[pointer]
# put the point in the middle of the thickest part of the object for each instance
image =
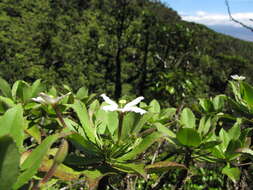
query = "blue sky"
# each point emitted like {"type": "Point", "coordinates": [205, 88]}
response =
{"type": "Point", "coordinates": [212, 12]}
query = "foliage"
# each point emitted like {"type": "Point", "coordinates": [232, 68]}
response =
{"type": "Point", "coordinates": [121, 47]}
{"type": "Point", "coordinates": [59, 141]}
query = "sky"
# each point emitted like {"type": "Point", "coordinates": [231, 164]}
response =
{"type": "Point", "coordinates": [213, 12]}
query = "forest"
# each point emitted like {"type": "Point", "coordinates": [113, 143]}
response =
{"type": "Point", "coordinates": [72, 74]}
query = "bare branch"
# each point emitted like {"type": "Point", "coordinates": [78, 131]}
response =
{"type": "Point", "coordinates": [237, 21]}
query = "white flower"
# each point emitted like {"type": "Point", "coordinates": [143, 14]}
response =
{"type": "Point", "coordinates": [47, 99]}
{"type": "Point", "coordinates": [131, 106]}
{"type": "Point", "coordinates": [237, 77]}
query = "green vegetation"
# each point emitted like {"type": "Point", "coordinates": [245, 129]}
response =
{"type": "Point", "coordinates": [192, 131]}
{"type": "Point", "coordinates": [73, 140]}
{"type": "Point", "coordinates": [119, 47]}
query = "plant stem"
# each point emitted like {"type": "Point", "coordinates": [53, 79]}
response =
{"type": "Point", "coordinates": [60, 117]}
{"type": "Point", "coordinates": [48, 175]}
{"type": "Point", "coordinates": [58, 159]}
{"type": "Point", "coordinates": [121, 117]}
{"type": "Point", "coordinates": [183, 174]}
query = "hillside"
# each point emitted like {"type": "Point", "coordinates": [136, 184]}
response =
{"type": "Point", "coordinates": [122, 47]}
{"type": "Point", "coordinates": [235, 31]}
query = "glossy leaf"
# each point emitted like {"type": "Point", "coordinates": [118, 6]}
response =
{"type": "Point", "coordinates": [218, 102]}
{"type": "Point", "coordinates": [142, 146]}
{"type": "Point", "coordinates": [188, 137]}
{"type": "Point", "coordinates": [12, 123]}
{"type": "Point", "coordinates": [84, 145]}
{"type": "Point", "coordinates": [232, 173]}
{"type": "Point", "coordinates": [209, 144]}
{"type": "Point", "coordinates": [235, 131]}
{"type": "Point", "coordinates": [231, 151]}
{"type": "Point", "coordinates": [245, 151]}
{"type": "Point", "coordinates": [82, 93]}
{"type": "Point", "coordinates": [36, 88]}
{"type": "Point", "coordinates": [154, 106]}
{"type": "Point", "coordinates": [187, 118]}
{"type": "Point", "coordinates": [30, 166]}
{"type": "Point", "coordinates": [165, 130]}
{"type": "Point", "coordinates": [9, 162]}
{"type": "Point", "coordinates": [206, 104]}
{"type": "Point", "coordinates": [83, 116]}
{"type": "Point", "coordinates": [131, 168]}
{"type": "Point", "coordinates": [5, 88]}
{"type": "Point", "coordinates": [204, 125]}
{"type": "Point", "coordinates": [141, 122]}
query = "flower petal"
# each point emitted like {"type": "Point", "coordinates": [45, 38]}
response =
{"type": "Point", "coordinates": [39, 99]}
{"type": "Point", "coordinates": [134, 102]}
{"type": "Point", "coordinates": [48, 99]}
{"type": "Point", "coordinates": [134, 109]}
{"type": "Point", "coordinates": [110, 108]}
{"type": "Point", "coordinates": [237, 77]}
{"type": "Point", "coordinates": [109, 101]}
{"type": "Point", "coordinates": [63, 96]}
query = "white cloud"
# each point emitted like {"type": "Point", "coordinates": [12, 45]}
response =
{"type": "Point", "coordinates": [219, 19]}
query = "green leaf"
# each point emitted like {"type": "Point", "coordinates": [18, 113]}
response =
{"type": "Point", "coordinates": [218, 102]}
{"type": "Point", "coordinates": [130, 168]}
{"type": "Point", "coordinates": [247, 93]}
{"type": "Point", "coordinates": [82, 93]}
{"type": "Point", "coordinates": [231, 151]}
{"type": "Point", "coordinates": [154, 107]}
{"type": "Point", "coordinates": [7, 101]}
{"type": "Point", "coordinates": [62, 171]}
{"type": "Point", "coordinates": [142, 146]}
{"type": "Point", "coordinates": [235, 131]}
{"type": "Point", "coordinates": [18, 89]}
{"type": "Point", "coordinates": [206, 104]}
{"type": "Point", "coordinates": [161, 128]}
{"type": "Point", "coordinates": [168, 113]}
{"type": "Point", "coordinates": [12, 123]}
{"type": "Point", "coordinates": [225, 138]}
{"type": "Point", "coordinates": [83, 116]}
{"type": "Point", "coordinates": [34, 131]}
{"type": "Point", "coordinates": [245, 151]}
{"type": "Point", "coordinates": [129, 122]}
{"type": "Point", "coordinates": [94, 176]}
{"type": "Point", "coordinates": [112, 121]}
{"type": "Point", "coordinates": [141, 122]}
{"type": "Point", "coordinates": [187, 118]}
{"type": "Point", "coordinates": [188, 137]}
{"type": "Point", "coordinates": [32, 163]}
{"type": "Point", "coordinates": [5, 88]}
{"type": "Point", "coordinates": [163, 166]}
{"type": "Point", "coordinates": [204, 125]}
{"type": "Point", "coordinates": [36, 88]}
{"type": "Point", "coordinates": [84, 145]}
{"type": "Point", "coordinates": [210, 144]}
{"type": "Point", "coordinates": [9, 162]}
{"type": "Point", "coordinates": [232, 173]}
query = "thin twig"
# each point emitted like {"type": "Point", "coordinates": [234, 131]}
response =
{"type": "Point", "coordinates": [237, 21]}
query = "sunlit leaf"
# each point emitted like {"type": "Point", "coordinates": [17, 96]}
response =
{"type": "Point", "coordinates": [188, 137]}
{"type": "Point", "coordinates": [5, 88]}
{"type": "Point", "coordinates": [9, 162]}
{"type": "Point", "coordinates": [140, 148]}
{"type": "Point", "coordinates": [187, 118]}
{"type": "Point", "coordinates": [30, 166]}
{"type": "Point", "coordinates": [232, 173]}
{"type": "Point", "coordinates": [12, 123]}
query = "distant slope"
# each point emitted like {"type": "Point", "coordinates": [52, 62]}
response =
{"type": "Point", "coordinates": [237, 32]}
